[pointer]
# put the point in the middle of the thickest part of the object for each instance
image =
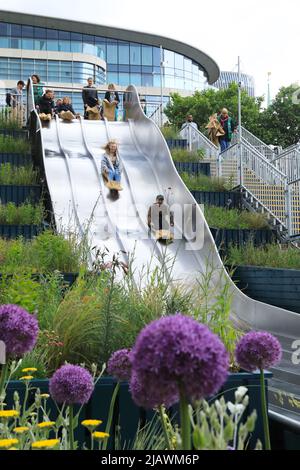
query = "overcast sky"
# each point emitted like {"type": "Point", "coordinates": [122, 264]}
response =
{"type": "Point", "coordinates": [265, 33]}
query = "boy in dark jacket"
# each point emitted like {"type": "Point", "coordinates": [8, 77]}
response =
{"type": "Point", "coordinates": [46, 103]}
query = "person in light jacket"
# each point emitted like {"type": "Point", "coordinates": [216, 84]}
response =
{"type": "Point", "coordinates": [111, 165]}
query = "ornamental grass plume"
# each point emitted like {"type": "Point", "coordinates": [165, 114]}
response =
{"type": "Point", "coordinates": [119, 365]}
{"type": "Point", "coordinates": [176, 359]}
{"type": "Point", "coordinates": [71, 385]}
{"type": "Point", "coordinates": [259, 350]}
{"type": "Point", "coordinates": [18, 330]}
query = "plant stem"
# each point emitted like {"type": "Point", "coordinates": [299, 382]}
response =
{"type": "Point", "coordinates": [264, 410]}
{"type": "Point", "coordinates": [71, 429]}
{"type": "Point", "coordinates": [185, 422]}
{"type": "Point", "coordinates": [3, 377]}
{"type": "Point", "coordinates": [110, 414]}
{"type": "Point", "coordinates": [165, 431]}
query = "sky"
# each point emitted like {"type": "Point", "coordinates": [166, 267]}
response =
{"type": "Point", "coordinates": [264, 33]}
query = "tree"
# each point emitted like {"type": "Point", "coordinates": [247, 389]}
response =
{"type": "Point", "coordinates": [280, 123]}
{"type": "Point", "coordinates": [205, 103]}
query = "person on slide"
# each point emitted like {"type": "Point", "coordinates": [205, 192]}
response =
{"type": "Point", "coordinates": [161, 219]}
{"type": "Point", "coordinates": [111, 166]}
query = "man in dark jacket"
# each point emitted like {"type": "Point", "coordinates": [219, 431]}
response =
{"type": "Point", "coordinates": [89, 96]}
{"type": "Point", "coordinates": [46, 103]}
{"type": "Point", "coordinates": [228, 126]}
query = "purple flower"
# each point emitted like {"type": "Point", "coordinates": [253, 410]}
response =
{"type": "Point", "coordinates": [176, 353]}
{"type": "Point", "coordinates": [18, 330]}
{"type": "Point", "coordinates": [71, 385]}
{"type": "Point", "coordinates": [258, 350]}
{"type": "Point", "coordinates": [119, 365]}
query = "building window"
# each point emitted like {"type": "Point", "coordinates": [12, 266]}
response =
{"type": "Point", "coordinates": [146, 55]}
{"type": "Point", "coordinates": [135, 54]}
{"type": "Point", "coordinates": [112, 54]}
{"type": "Point", "coordinates": [123, 53]}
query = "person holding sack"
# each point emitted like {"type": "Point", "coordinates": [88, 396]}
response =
{"type": "Point", "coordinates": [215, 130]}
{"type": "Point", "coordinates": [110, 103]}
{"type": "Point", "coordinates": [111, 166]}
{"type": "Point", "coordinates": [65, 110]}
{"type": "Point", "coordinates": [91, 101]}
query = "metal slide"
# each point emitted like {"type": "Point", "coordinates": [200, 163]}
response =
{"type": "Point", "coordinates": [71, 156]}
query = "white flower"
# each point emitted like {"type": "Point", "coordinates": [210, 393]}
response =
{"type": "Point", "coordinates": [235, 409]}
{"type": "Point", "coordinates": [240, 393]}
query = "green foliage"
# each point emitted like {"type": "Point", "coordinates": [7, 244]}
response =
{"type": "Point", "coordinates": [205, 183]}
{"type": "Point", "coordinates": [44, 254]}
{"type": "Point", "coordinates": [25, 214]}
{"type": "Point", "coordinates": [220, 217]}
{"type": "Point", "coordinates": [170, 132]}
{"type": "Point", "coordinates": [207, 102]}
{"type": "Point", "coordinates": [280, 123]}
{"type": "Point", "coordinates": [7, 121]}
{"type": "Point", "coordinates": [182, 155]}
{"type": "Point", "coordinates": [18, 175]}
{"type": "Point", "coordinates": [272, 255]}
{"type": "Point", "coordinates": [10, 144]}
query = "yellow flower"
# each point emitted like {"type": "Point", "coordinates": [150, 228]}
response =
{"type": "Point", "coordinates": [9, 414]}
{"type": "Point", "coordinates": [45, 395]}
{"type": "Point", "coordinates": [29, 369]}
{"type": "Point", "coordinates": [21, 429]}
{"type": "Point", "coordinates": [100, 435]}
{"type": "Point", "coordinates": [26, 377]}
{"type": "Point", "coordinates": [91, 424]}
{"type": "Point", "coordinates": [45, 444]}
{"type": "Point", "coordinates": [7, 443]}
{"type": "Point", "coordinates": [46, 424]}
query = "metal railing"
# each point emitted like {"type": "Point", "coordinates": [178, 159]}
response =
{"type": "Point", "coordinates": [197, 140]}
{"type": "Point", "coordinates": [289, 162]}
{"type": "Point", "coordinates": [255, 142]}
{"type": "Point", "coordinates": [14, 114]}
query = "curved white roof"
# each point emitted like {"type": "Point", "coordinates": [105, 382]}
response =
{"type": "Point", "coordinates": [210, 67]}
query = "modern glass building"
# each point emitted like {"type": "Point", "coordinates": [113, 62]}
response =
{"type": "Point", "coordinates": [226, 78]}
{"type": "Point", "coordinates": [68, 52]}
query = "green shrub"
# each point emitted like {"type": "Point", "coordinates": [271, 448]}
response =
{"type": "Point", "coordinates": [220, 217]}
{"type": "Point", "coordinates": [205, 183]}
{"type": "Point", "coordinates": [7, 121]}
{"type": "Point", "coordinates": [10, 144]}
{"type": "Point", "coordinates": [170, 132]}
{"type": "Point", "coordinates": [18, 175]}
{"type": "Point", "coordinates": [272, 255]}
{"type": "Point", "coordinates": [183, 155]}
{"type": "Point", "coordinates": [25, 214]}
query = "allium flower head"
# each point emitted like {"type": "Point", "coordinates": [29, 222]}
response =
{"type": "Point", "coordinates": [18, 330]}
{"type": "Point", "coordinates": [258, 350]}
{"type": "Point", "coordinates": [71, 385]}
{"type": "Point", "coordinates": [176, 353]}
{"type": "Point", "coordinates": [119, 365]}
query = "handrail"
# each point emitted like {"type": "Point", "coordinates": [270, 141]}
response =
{"type": "Point", "coordinates": [288, 151]}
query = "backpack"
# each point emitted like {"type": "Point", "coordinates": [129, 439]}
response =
{"type": "Point", "coordinates": [8, 99]}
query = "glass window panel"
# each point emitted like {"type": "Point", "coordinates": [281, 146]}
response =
{"type": "Point", "coordinates": [146, 55]}
{"type": "Point", "coordinates": [156, 70]}
{"type": "Point", "coordinates": [156, 56]}
{"type": "Point", "coordinates": [113, 68]}
{"type": "Point", "coordinates": [169, 71]}
{"type": "Point", "coordinates": [64, 35]}
{"type": "Point", "coordinates": [64, 46]}
{"type": "Point", "coordinates": [40, 33]}
{"type": "Point", "coordinates": [4, 42]}
{"type": "Point", "coordinates": [52, 45]}
{"type": "Point", "coordinates": [16, 30]}
{"type": "Point", "coordinates": [156, 80]}
{"type": "Point", "coordinates": [188, 75]}
{"type": "Point", "coordinates": [112, 54]}
{"type": "Point", "coordinates": [101, 51]}
{"type": "Point", "coordinates": [112, 77]}
{"type": "Point", "coordinates": [123, 68]}
{"type": "Point", "coordinates": [195, 69]}
{"type": "Point", "coordinates": [147, 80]}
{"type": "Point", "coordinates": [179, 62]}
{"type": "Point", "coordinates": [76, 46]}
{"type": "Point", "coordinates": [40, 45]}
{"type": "Point", "coordinates": [169, 81]}
{"type": "Point", "coordinates": [52, 34]}
{"type": "Point", "coordinates": [89, 48]}
{"type": "Point", "coordinates": [15, 43]}
{"type": "Point", "coordinates": [179, 83]}
{"type": "Point", "coordinates": [187, 65]}
{"type": "Point", "coordinates": [136, 79]}
{"type": "Point", "coordinates": [27, 31]}
{"type": "Point", "coordinates": [123, 53]}
{"type": "Point", "coordinates": [27, 43]}
{"type": "Point", "coordinates": [76, 37]}
{"type": "Point", "coordinates": [135, 68]}
{"type": "Point", "coordinates": [123, 79]}
{"type": "Point", "coordinates": [135, 54]}
{"type": "Point", "coordinates": [147, 69]}
{"type": "Point", "coordinates": [88, 38]}
{"type": "Point", "coordinates": [4, 29]}
{"type": "Point", "coordinates": [179, 73]}
{"type": "Point", "coordinates": [169, 58]}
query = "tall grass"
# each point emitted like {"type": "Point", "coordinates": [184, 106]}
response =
{"type": "Point", "coordinates": [25, 214]}
{"type": "Point", "coordinates": [170, 132]}
{"type": "Point", "coordinates": [272, 255]}
{"type": "Point", "coordinates": [44, 254]}
{"type": "Point", "coordinates": [205, 183]}
{"type": "Point", "coordinates": [7, 121]}
{"type": "Point", "coordinates": [10, 144]}
{"type": "Point", "coordinates": [222, 218]}
{"type": "Point", "coordinates": [18, 175]}
{"type": "Point", "coordinates": [183, 155]}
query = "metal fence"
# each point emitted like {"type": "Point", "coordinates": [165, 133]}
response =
{"type": "Point", "coordinates": [13, 110]}
{"type": "Point", "coordinates": [197, 140]}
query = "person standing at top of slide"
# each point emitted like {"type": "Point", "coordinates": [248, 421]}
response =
{"type": "Point", "coordinates": [89, 96]}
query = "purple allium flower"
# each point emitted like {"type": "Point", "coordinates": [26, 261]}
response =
{"type": "Point", "coordinates": [119, 365]}
{"type": "Point", "coordinates": [71, 385]}
{"type": "Point", "coordinates": [173, 353]}
{"type": "Point", "coordinates": [258, 350]}
{"type": "Point", "coordinates": [18, 330]}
